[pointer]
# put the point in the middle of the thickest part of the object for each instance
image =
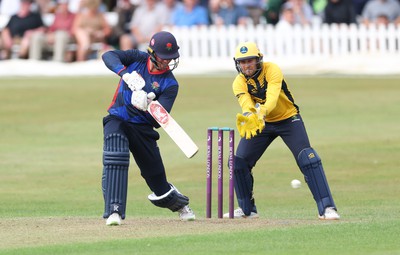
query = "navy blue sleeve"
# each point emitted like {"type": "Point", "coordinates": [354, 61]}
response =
{"type": "Point", "coordinates": [118, 60]}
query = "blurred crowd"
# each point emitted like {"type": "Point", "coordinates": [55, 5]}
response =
{"type": "Point", "coordinates": [83, 23]}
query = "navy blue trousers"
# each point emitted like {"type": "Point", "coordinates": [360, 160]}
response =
{"type": "Point", "coordinates": [143, 146]}
{"type": "Point", "coordinates": [249, 151]}
{"type": "Point", "coordinates": [292, 131]}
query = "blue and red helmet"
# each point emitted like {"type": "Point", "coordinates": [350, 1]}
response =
{"type": "Point", "coordinates": [164, 45]}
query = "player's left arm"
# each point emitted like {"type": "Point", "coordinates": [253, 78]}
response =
{"type": "Point", "coordinates": [274, 77]}
{"type": "Point", "coordinates": [247, 123]}
{"type": "Point", "coordinates": [118, 60]}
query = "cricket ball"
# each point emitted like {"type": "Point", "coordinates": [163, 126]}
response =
{"type": "Point", "coordinates": [295, 184]}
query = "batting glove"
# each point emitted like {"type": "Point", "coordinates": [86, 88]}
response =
{"type": "Point", "coordinates": [134, 81]}
{"type": "Point", "coordinates": [141, 100]}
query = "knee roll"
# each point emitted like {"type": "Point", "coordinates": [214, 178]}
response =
{"type": "Point", "coordinates": [116, 150]}
{"type": "Point", "coordinates": [308, 159]}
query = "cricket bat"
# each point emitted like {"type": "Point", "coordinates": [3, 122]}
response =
{"type": "Point", "coordinates": [172, 128]}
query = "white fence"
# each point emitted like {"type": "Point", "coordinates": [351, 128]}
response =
{"type": "Point", "coordinates": [319, 49]}
{"type": "Point", "coordinates": [306, 42]}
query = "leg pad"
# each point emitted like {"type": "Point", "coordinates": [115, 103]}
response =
{"type": "Point", "coordinates": [314, 175]}
{"type": "Point", "coordinates": [243, 180]}
{"type": "Point", "coordinates": [115, 174]}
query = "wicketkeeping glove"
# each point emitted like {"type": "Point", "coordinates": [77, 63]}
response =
{"type": "Point", "coordinates": [140, 99]}
{"type": "Point", "coordinates": [248, 126]}
{"type": "Point", "coordinates": [134, 81]}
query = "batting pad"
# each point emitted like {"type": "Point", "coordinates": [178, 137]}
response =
{"type": "Point", "coordinates": [115, 174]}
{"type": "Point", "coordinates": [314, 175]}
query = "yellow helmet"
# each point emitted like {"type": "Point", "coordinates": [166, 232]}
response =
{"type": "Point", "coordinates": [247, 50]}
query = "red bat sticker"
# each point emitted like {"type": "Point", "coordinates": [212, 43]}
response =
{"type": "Point", "coordinates": [159, 113]}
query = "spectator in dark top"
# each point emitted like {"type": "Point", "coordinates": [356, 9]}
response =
{"type": "Point", "coordinates": [271, 13]}
{"type": "Point", "coordinates": [19, 30]}
{"type": "Point", "coordinates": [359, 6]}
{"type": "Point", "coordinates": [125, 10]}
{"type": "Point", "coordinates": [339, 11]}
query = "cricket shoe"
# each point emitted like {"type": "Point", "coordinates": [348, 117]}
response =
{"type": "Point", "coordinates": [114, 220]}
{"type": "Point", "coordinates": [186, 214]}
{"type": "Point", "coordinates": [329, 214]}
{"type": "Point", "coordinates": [238, 213]}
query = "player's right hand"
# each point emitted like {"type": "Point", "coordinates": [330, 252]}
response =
{"type": "Point", "coordinates": [249, 125]}
{"type": "Point", "coordinates": [141, 100]}
{"type": "Point", "coordinates": [134, 81]}
{"type": "Point", "coordinates": [261, 111]}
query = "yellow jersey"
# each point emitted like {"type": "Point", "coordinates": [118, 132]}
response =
{"type": "Point", "coordinates": [269, 88]}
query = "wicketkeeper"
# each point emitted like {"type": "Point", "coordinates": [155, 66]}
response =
{"type": "Point", "coordinates": [129, 128]}
{"type": "Point", "coordinates": [269, 112]}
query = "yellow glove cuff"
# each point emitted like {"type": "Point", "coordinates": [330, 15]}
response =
{"type": "Point", "coordinates": [249, 126]}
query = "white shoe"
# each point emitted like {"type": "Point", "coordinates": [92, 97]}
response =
{"type": "Point", "coordinates": [329, 214]}
{"type": "Point", "coordinates": [113, 220]}
{"type": "Point", "coordinates": [186, 214]}
{"type": "Point", "coordinates": [238, 213]}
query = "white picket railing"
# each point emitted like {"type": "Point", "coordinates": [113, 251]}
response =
{"type": "Point", "coordinates": [306, 42]}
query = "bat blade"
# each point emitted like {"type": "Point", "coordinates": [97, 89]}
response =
{"type": "Point", "coordinates": [173, 129]}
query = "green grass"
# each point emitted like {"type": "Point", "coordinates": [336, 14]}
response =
{"type": "Point", "coordinates": [50, 172]}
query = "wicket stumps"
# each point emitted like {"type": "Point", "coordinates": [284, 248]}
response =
{"type": "Point", "coordinates": [220, 132]}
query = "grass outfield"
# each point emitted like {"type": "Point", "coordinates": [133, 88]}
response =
{"type": "Point", "coordinates": [50, 172]}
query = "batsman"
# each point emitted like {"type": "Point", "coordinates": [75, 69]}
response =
{"type": "Point", "coordinates": [129, 128]}
{"type": "Point", "coordinates": [268, 112]}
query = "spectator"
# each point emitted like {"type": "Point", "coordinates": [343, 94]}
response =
{"type": "Point", "coordinates": [375, 8]}
{"type": "Point", "coordinates": [318, 6]}
{"type": "Point", "coordinates": [45, 6]}
{"type": "Point", "coordinates": [339, 11]}
{"type": "Point", "coordinates": [9, 7]}
{"type": "Point", "coordinates": [303, 13]}
{"type": "Point", "coordinates": [190, 14]}
{"type": "Point", "coordinates": [75, 6]}
{"type": "Point", "coordinates": [255, 8]}
{"type": "Point", "coordinates": [170, 6]}
{"type": "Point", "coordinates": [382, 20]}
{"type": "Point", "coordinates": [359, 6]}
{"type": "Point", "coordinates": [287, 20]}
{"type": "Point", "coordinates": [124, 10]}
{"type": "Point", "coordinates": [19, 30]}
{"type": "Point", "coordinates": [148, 19]}
{"type": "Point", "coordinates": [213, 9]}
{"type": "Point", "coordinates": [230, 14]}
{"type": "Point", "coordinates": [89, 26]}
{"type": "Point", "coordinates": [271, 13]}
{"type": "Point", "coordinates": [57, 36]}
